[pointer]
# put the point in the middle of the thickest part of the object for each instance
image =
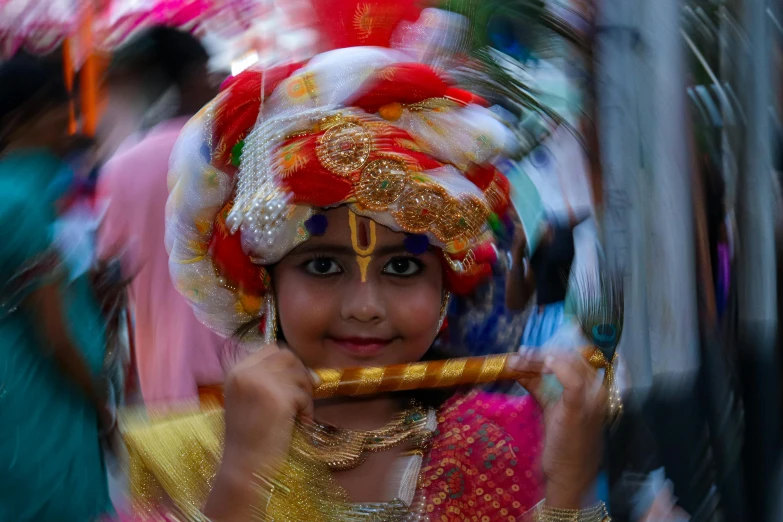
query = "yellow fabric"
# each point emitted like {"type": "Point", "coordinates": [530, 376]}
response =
{"type": "Point", "coordinates": [174, 460]}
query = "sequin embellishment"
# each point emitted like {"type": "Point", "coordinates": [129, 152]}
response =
{"type": "Point", "coordinates": [344, 148]}
{"type": "Point", "coordinates": [419, 206]}
{"type": "Point", "coordinates": [463, 218]}
{"type": "Point", "coordinates": [381, 184]}
{"type": "Point", "coordinates": [484, 462]}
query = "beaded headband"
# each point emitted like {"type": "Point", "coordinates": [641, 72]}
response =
{"type": "Point", "coordinates": [362, 127]}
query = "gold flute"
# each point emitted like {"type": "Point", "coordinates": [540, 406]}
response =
{"type": "Point", "coordinates": [351, 382]}
{"type": "Point", "coordinates": [449, 373]}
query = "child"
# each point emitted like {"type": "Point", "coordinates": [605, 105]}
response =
{"type": "Point", "coordinates": [324, 225]}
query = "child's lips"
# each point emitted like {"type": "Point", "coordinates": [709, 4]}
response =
{"type": "Point", "coordinates": [361, 346]}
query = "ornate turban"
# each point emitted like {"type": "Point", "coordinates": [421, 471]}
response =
{"type": "Point", "coordinates": [367, 127]}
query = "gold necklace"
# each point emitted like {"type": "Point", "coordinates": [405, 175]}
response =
{"type": "Point", "coordinates": [305, 489]}
{"type": "Point", "coordinates": [343, 449]}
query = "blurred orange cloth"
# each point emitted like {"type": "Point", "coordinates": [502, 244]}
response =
{"type": "Point", "coordinates": [210, 394]}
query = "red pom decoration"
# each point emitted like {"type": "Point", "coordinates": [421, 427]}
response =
{"type": "Point", "coordinates": [231, 261]}
{"type": "Point", "coordinates": [481, 176]}
{"type": "Point", "coordinates": [485, 253]}
{"type": "Point", "coordinates": [494, 184]}
{"type": "Point", "coordinates": [463, 283]}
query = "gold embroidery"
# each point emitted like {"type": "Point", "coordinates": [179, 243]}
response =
{"type": "Point", "coordinates": [178, 456]}
{"type": "Point", "coordinates": [466, 265]}
{"type": "Point", "coordinates": [330, 121]}
{"type": "Point", "coordinates": [387, 73]}
{"type": "Point", "coordinates": [204, 224]}
{"type": "Point", "coordinates": [191, 260]}
{"type": "Point", "coordinates": [197, 246]}
{"type": "Point", "coordinates": [210, 178]}
{"type": "Point", "coordinates": [368, 17]}
{"type": "Point", "coordinates": [291, 158]}
{"type": "Point", "coordinates": [408, 144]}
{"type": "Point", "coordinates": [381, 184]}
{"type": "Point", "coordinates": [419, 206]}
{"type": "Point", "coordinates": [302, 85]}
{"type": "Point", "coordinates": [461, 219]}
{"type": "Point", "coordinates": [433, 105]}
{"type": "Point", "coordinates": [363, 21]}
{"type": "Point", "coordinates": [250, 304]}
{"type": "Point", "coordinates": [495, 196]}
{"type": "Point", "coordinates": [344, 148]}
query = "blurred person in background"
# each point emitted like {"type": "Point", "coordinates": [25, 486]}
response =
{"type": "Point", "coordinates": [141, 94]}
{"type": "Point", "coordinates": [544, 275]}
{"type": "Point", "coordinates": [174, 352]}
{"type": "Point", "coordinates": [52, 338]}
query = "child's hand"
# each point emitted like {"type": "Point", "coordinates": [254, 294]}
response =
{"type": "Point", "coordinates": [574, 426]}
{"type": "Point", "coordinates": [264, 394]}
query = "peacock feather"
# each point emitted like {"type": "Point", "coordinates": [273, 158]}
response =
{"type": "Point", "coordinates": [599, 302]}
{"type": "Point", "coordinates": [599, 305]}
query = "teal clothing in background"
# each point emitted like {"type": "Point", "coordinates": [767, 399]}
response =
{"type": "Point", "coordinates": [51, 463]}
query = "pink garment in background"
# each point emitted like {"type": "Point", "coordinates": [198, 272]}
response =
{"type": "Point", "coordinates": [175, 353]}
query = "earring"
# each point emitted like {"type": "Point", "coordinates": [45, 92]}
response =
{"type": "Point", "coordinates": [444, 309]}
{"type": "Point", "coordinates": [270, 319]}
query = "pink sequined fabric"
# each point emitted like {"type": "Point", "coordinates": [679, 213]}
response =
{"type": "Point", "coordinates": [485, 460]}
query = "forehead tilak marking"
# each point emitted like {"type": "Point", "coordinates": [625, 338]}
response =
{"type": "Point", "coordinates": [363, 241]}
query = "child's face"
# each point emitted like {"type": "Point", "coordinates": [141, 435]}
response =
{"type": "Point", "coordinates": [331, 318]}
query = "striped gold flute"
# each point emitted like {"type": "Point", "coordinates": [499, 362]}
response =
{"type": "Point", "coordinates": [448, 373]}
{"type": "Point", "coordinates": [352, 382]}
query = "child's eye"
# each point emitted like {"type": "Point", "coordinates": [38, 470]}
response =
{"type": "Point", "coordinates": [403, 266]}
{"type": "Point", "coordinates": [323, 266]}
